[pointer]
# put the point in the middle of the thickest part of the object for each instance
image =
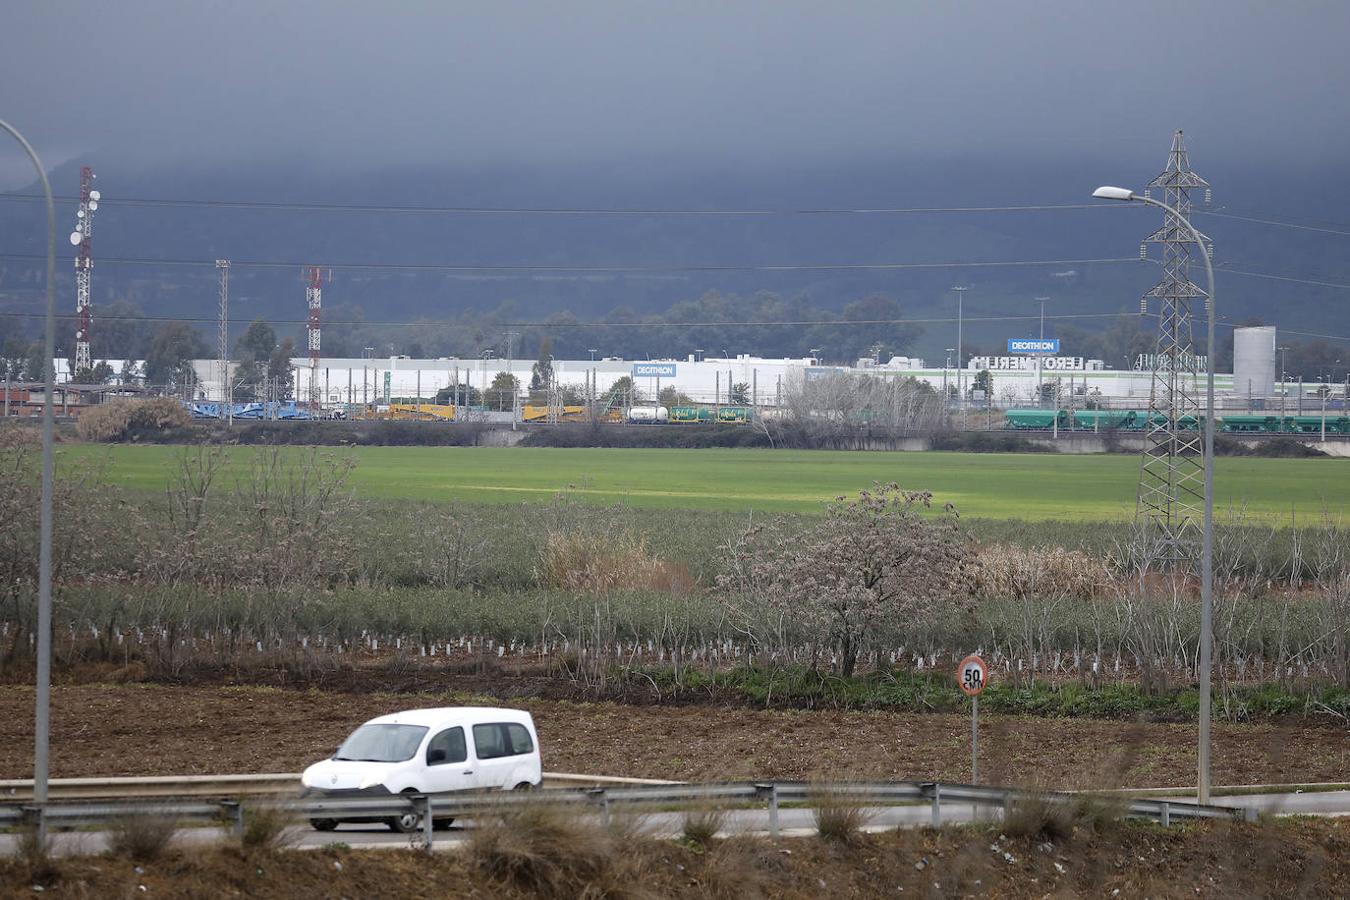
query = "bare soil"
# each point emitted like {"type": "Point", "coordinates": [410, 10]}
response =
{"type": "Point", "coordinates": [1289, 859]}
{"type": "Point", "coordinates": [149, 729]}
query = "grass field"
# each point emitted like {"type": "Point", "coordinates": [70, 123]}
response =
{"type": "Point", "coordinates": [995, 486]}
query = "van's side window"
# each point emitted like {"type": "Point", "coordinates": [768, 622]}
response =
{"type": "Point", "coordinates": [495, 740]}
{"type": "Point", "coordinates": [519, 736]}
{"type": "Point", "coordinates": [447, 747]}
{"type": "Point", "coordinates": [488, 741]}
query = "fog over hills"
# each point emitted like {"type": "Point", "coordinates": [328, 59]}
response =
{"type": "Point", "coordinates": [666, 244]}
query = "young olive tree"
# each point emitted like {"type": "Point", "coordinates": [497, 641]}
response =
{"type": "Point", "coordinates": [869, 565]}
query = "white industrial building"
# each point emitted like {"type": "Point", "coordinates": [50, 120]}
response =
{"type": "Point", "coordinates": [343, 381]}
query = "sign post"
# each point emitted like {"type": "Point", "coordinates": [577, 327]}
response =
{"type": "Point", "coordinates": [971, 676]}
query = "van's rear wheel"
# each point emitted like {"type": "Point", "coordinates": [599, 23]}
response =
{"type": "Point", "coordinates": [324, 824]}
{"type": "Point", "coordinates": [524, 786]}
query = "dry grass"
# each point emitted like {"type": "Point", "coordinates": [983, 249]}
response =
{"type": "Point", "coordinates": [595, 563]}
{"type": "Point", "coordinates": [18, 436]}
{"type": "Point", "coordinates": [838, 817]}
{"type": "Point", "coordinates": [144, 836]}
{"type": "Point", "coordinates": [266, 829]}
{"type": "Point", "coordinates": [541, 849]}
{"type": "Point", "coordinates": [1043, 816]}
{"type": "Point", "coordinates": [114, 420]}
{"type": "Point", "coordinates": [1294, 857]}
{"type": "Point", "coordinates": [33, 855]}
{"type": "Point", "coordinates": [1007, 571]}
{"type": "Point", "coordinates": [740, 869]}
{"type": "Point", "coordinates": [701, 826]}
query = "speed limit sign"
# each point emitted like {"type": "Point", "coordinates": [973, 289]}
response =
{"type": "Point", "coordinates": [972, 675]}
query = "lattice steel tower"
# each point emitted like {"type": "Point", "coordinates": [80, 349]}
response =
{"type": "Point", "coordinates": [81, 237]}
{"type": "Point", "coordinates": [1171, 475]}
{"type": "Point", "coordinates": [223, 338]}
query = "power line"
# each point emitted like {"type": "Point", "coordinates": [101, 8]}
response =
{"type": "Point", "coordinates": [1289, 278]}
{"type": "Point", "coordinates": [612, 270]}
{"type": "Point", "coordinates": [1276, 222]}
{"type": "Point", "coordinates": [551, 325]}
{"type": "Point", "coordinates": [937, 320]}
{"type": "Point", "coordinates": [562, 210]}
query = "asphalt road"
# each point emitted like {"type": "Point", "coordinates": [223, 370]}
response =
{"type": "Point", "coordinates": [792, 822]}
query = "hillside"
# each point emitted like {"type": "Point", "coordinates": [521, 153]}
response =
{"type": "Point", "coordinates": [477, 301]}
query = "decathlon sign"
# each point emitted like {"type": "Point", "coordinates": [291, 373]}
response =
{"type": "Point", "coordinates": [1034, 346]}
{"type": "Point", "coordinates": [653, 370]}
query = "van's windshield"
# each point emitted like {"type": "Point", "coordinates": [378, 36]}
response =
{"type": "Point", "coordinates": [381, 743]}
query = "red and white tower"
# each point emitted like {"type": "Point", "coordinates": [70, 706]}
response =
{"type": "Point", "coordinates": [314, 296]}
{"type": "Point", "coordinates": [84, 263]}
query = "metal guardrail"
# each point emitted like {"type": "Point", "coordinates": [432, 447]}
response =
{"type": "Point", "coordinates": [602, 800]}
{"type": "Point", "coordinates": [222, 786]}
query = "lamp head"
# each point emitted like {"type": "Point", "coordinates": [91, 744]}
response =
{"type": "Point", "coordinates": [1106, 192]}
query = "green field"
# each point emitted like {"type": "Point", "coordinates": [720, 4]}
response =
{"type": "Point", "coordinates": [995, 486]}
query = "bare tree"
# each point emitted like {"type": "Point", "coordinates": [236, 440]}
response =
{"type": "Point", "coordinates": [870, 563]}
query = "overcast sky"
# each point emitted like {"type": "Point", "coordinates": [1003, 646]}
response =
{"type": "Point", "coordinates": [696, 84]}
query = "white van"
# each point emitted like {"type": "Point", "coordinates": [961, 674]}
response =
{"type": "Point", "coordinates": [428, 751]}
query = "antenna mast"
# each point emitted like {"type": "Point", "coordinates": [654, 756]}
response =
{"type": "Point", "coordinates": [314, 296]}
{"type": "Point", "coordinates": [1171, 474]}
{"type": "Point", "coordinates": [84, 262]}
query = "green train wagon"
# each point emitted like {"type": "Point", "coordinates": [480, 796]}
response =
{"type": "Point", "coordinates": [690, 414]}
{"type": "Point", "coordinates": [1249, 424]}
{"type": "Point", "coordinates": [1103, 419]}
{"type": "Point", "coordinates": [1035, 419]}
{"type": "Point", "coordinates": [733, 415]}
{"type": "Point", "coordinates": [1313, 425]}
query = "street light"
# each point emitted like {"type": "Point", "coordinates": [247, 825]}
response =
{"type": "Point", "coordinates": [42, 717]}
{"type": "Point", "coordinates": [1284, 379]}
{"type": "Point", "coordinates": [1040, 358]}
{"type": "Point", "coordinates": [946, 392]}
{"type": "Point", "coordinates": [1207, 540]}
{"type": "Point", "coordinates": [815, 355]}
{"type": "Point", "coordinates": [960, 297]}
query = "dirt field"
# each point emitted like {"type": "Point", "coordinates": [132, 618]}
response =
{"type": "Point", "coordinates": [1291, 859]}
{"type": "Point", "coordinates": [143, 729]}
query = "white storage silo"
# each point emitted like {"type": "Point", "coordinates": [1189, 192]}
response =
{"type": "Point", "coordinates": [1254, 361]}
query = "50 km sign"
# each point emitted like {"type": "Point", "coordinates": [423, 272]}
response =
{"type": "Point", "coordinates": [972, 675]}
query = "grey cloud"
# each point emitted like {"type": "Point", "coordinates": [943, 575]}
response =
{"type": "Point", "coordinates": [358, 83]}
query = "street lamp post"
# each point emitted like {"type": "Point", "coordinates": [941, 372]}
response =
{"type": "Point", "coordinates": [960, 306]}
{"type": "Point", "coordinates": [946, 392]}
{"type": "Point", "coordinates": [42, 717]}
{"type": "Point", "coordinates": [1039, 359]}
{"type": "Point", "coordinates": [1207, 540]}
{"type": "Point", "coordinates": [1284, 381]}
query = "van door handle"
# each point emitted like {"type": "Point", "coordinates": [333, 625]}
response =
{"type": "Point", "coordinates": [467, 772]}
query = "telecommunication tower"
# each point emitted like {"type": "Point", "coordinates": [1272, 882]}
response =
{"type": "Point", "coordinates": [84, 263]}
{"type": "Point", "coordinates": [1171, 475]}
{"type": "Point", "coordinates": [314, 297]}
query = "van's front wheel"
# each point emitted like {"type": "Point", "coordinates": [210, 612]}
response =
{"type": "Point", "coordinates": [407, 823]}
{"type": "Point", "coordinates": [324, 824]}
